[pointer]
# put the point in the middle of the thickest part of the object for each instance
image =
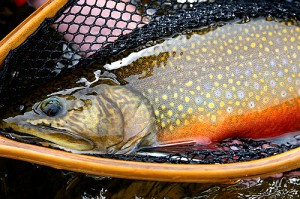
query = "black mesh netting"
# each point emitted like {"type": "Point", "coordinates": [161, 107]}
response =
{"type": "Point", "coordinates": [88, 31]}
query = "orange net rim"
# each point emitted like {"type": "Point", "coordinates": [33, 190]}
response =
{"type": "Point", "coordinates": [150, 171]}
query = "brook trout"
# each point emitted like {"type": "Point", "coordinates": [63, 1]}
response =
{"type": "Point", "coordinates": [240, 80]}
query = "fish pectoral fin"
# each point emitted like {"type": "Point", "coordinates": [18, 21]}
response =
{"type": "Point", "coordinates": [144, 138]}
{"type": "Point", "coordinates": [130, 146]}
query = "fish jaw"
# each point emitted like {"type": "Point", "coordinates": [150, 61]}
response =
{"type": "Point", "coordinates": [50, 135]}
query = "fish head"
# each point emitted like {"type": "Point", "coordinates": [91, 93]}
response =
{"type": "Point", "coordinates": [90, 120]}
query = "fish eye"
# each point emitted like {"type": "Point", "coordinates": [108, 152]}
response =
{"type": "Point", "coordinates": [51, 106]}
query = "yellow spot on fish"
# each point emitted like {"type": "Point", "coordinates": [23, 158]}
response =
{"type": "Point", "coordinates": [204, 50]}
{"type": "Point", "coordinates": [192, 92]}
{"type": "Point", "coordinates": [189, 83]}
{"type": "Point", "coordinates": [211, 105]}
{"type": "Point", "coordinates": [170, 113]}
{"type": "Point", "coordinates": [177, 122]}
{"type": "Point", "coordinates": [156, 112]}
{"type": "Point", "coordinates": [165, 97]}
{"type": "Point", "coordinates": [294, 55]}
{"type": "Point", "coordinates": [180, 107]}
{"type": "Point", "coordinates": [188, 57]}
{"type": "Point", "coordinates": [190, 110]}
{"type": "Point", "coordinates": [186, 122]}
{"type": "Point", "coordinates": [286, 70]}
{"type": "Point", "coordinates": [208, 95]}
{"type": "Point", "coordinates": [213, 118]}
{"type": "Point", "coordinates": [266, 100]}
{"type": "Point", "coordinates": [163, 125]}
{"type": "Point", "coordinates": [187, 99]}
{"type": "Point", "coordinates": [253, 45]}
{"type": "Point", "coordinates": [200, 109]}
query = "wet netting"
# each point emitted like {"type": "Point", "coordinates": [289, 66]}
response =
{"type": "Point", "coordinates": [227, 151]}
{"type": "Point", "coordinates": [86, 32]}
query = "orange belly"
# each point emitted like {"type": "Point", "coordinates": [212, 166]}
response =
{"type": "Point", "coordinates": [270, 122]}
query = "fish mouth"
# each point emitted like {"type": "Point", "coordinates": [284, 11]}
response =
{"type": "Point", "coordinates": [47, 136]}
{"type": "Point", "coordinates": [25, 138]}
